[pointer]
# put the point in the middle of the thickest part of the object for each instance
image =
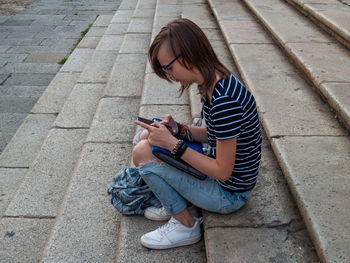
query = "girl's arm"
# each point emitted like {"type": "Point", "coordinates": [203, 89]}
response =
{"type": "Point", "coordinates": [219, 168]}
{"type": "Point", "coordinates": [199, 133]}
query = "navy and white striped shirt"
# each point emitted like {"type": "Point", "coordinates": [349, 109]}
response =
{"type": "Point", "coordinates": [232, 113]}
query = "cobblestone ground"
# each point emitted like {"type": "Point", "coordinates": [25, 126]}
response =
{"type": "Point", "coordinates": [33, 41]}
{"type": "Point", "coordinates": [12, 7]}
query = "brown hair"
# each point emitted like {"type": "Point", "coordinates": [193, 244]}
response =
{"type": "Point", "coordinates": [187, 39]}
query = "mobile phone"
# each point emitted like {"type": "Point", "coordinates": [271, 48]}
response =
{"type": "Point", "coordinates": [149, 122]}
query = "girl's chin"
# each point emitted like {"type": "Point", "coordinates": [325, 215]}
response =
{"type": "Point", "coordinates": [184, 83]}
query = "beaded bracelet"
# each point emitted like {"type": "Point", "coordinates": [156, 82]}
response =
{"type": "Point", "coordinates": [176, 147]}
{"type": "Point", "coordinates": [179, 149]}
{"type": "Point", "coordinates": [184, 132]}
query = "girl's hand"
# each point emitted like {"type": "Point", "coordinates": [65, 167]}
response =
{"type": "Point", "coordinates": [159, 135]}
{"type": "Point", "coordinates": [170, 122]}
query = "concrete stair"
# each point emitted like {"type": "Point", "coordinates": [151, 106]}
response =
{"type": "Point", "coordinates": [273, 221]}
{"type": "Point", "coordinates": [309, 49]}
{"type": "Point", "coordinates": [157, 98]}
{"type": "Point", "coordinates": [38, 165]}
{"type": "Point", "coordinates": [332, 16]}
{"type": "Point", "coordinates": [312, 148]}
{"type": "Point", "coordinates": [55, 207]}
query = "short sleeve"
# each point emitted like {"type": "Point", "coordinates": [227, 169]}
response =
{"type": "Point", "coordinates": [226, 115]}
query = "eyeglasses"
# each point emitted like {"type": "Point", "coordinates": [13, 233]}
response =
{"type": "Point", "coordinates": [171, 62]}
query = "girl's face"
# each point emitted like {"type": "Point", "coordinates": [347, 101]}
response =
{"type": "Point", "coordinates": [176, 71]}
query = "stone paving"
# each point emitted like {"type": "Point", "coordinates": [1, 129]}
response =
{"type": "Point", "coordinates": [32, 43]}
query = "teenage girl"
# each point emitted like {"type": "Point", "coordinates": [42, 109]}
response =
{"type": "Point", "coordinates": [182, 53]}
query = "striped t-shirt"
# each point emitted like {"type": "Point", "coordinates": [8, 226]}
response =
{"type": "Point", "coordinates": [232, 113]}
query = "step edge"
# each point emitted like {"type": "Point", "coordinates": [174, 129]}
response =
{"type": "Point", "coordinates": [324, 22]}
{"type": "Point", "coordinates": [308, 75]}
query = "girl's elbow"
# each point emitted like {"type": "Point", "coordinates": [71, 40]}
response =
{"type": "Point", "coordinates": [225, 176]}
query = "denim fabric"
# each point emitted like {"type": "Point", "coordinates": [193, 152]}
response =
{"type": "Point", "coordinates": [129, 194]}
{"type": "Point", "coordinates": [173, 187]}
{"type": "Point", "coordinates": [137, 138]}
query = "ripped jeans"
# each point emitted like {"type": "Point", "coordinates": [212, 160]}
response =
{"type": "Point", "coordinates": [173, 187]}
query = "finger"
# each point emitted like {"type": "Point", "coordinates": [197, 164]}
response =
{"type": "Point", "coordinates": [156, 124]}
{"type": "Point", "coordinates": [167, 118]}
{"type": "Point", "coordinates": [166, 127]}
{"type": "Point", "coordinates": [171, 122]}
{"type": "Point", "coordinates": [143, 125]}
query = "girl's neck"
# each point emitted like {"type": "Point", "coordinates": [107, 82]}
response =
{"type": "Point", "coordinates": [209, 93]}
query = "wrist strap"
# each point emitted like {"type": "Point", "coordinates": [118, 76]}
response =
{"type": "Point", "coordinates": [179, 149]}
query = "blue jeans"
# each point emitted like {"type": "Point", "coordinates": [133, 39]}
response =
{"type": "Point", "coordinates": [173, 187]}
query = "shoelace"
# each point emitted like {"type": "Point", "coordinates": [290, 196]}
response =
{"type": "Point", "coordinates": [168, 226]}
{"type": "Point", "coordinates": [162, 211]}
{"type": "Point", "coordinates": [172, 224]}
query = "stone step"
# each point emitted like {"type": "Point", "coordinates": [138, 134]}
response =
{"type": "Point", "coordinates": [34, 141]}
{"type": "Point", "coordinates": [331, 15]}
{"type": "Point", "coordinates": [84, 219]}
{"type": "Point", "coordinates": [268, 228]}
{"type": "Point", "coordinates": [158, 98]}
{"type": "Point", "coordinates": [33, 191]}
{"type": "Point", "coordinates": [81, 105]}
{"type": "Point", "coordinates": [32, 43]}
{"type": "Point", "coordinates": [25, 145]}
{"type": "Point", "coordinates": [311, 147]}
{"type": "Point", "coordinates": [43, 182]}
{"type": "Point", "coordinates": [21, 150]}
{"type": "Point", "coordinates": [131, 228]}
{"type": "Point", "coordinates": [106, 150]}
{"type": "Point", "coordinates": [35, 200]}
{"type": "Point", "coordinates": [87, 226]}
{"type": "Point", "coordinates": [271, 216]}
{"type": "Point", "coordinates": [310, 49]}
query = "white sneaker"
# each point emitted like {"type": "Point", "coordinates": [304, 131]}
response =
{"type": "Point", "coordinates": [173, 234]}
{"type": "Point", "coordinates": [156, 214]}
{"type": "Point", "coordinates": [160, 214]}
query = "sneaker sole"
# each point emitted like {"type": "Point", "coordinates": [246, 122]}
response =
{"type": "Point", "coordinates": [150, 217]}
{"type": "Point", "coordinates": [195, 212]}
{"type": "Point", "coordinates": [180, 244]}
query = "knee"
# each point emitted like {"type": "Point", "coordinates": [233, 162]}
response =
{"type": "Point", "coordinates": [142, 153]}
{"type": "Point", "coordinates": [144, 135]}
{"type": "Point", "coordinates": [140, 135]}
